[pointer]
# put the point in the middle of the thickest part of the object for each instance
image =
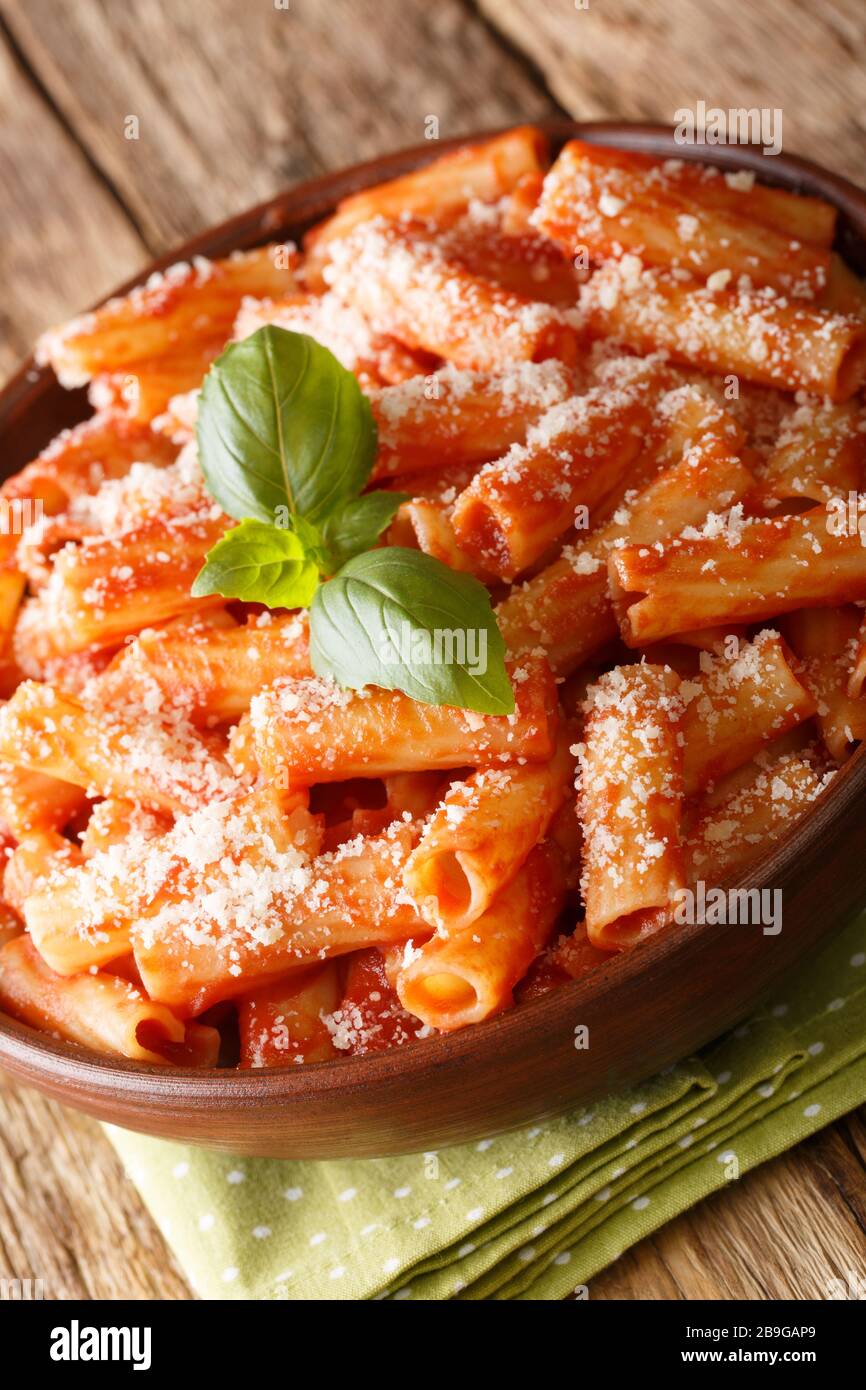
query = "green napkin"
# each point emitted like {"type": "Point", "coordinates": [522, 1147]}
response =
{"type": "Point", "coordinates": [535, 1213]}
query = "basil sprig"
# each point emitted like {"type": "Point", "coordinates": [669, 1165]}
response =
{"type": "Point", "coordinates": [287, 442]}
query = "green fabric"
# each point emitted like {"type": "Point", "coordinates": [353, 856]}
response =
{"type": "Point", "coordinates": [532, 1214]}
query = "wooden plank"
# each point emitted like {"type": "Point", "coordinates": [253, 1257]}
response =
{"type": "Point", "coordinates": [68, 1214]}
{"type": "Point", "coordinates": [784, 1231]}
{"type": "Point", "coordinates": [643, 61]}
{"type": "Point", "coordinates": [64, 240]}
{"type": "Point", "coordinates": [235, 101]}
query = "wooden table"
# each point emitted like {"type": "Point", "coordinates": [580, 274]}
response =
{"type": "Point", "coordinates": [232, 100]}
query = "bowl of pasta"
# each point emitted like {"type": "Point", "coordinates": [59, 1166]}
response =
{"type": "Point", "coordinates": [433, 649]}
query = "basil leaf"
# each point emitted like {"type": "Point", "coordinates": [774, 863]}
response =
{"type": "Point", "coordinates": [358, 524]}
{"type": "Point", "coordinates": [262, 564]}
{"type": "Point", "coordinates": [310, 537]}
{"type": "Point", "coordinates": [282, 424]}
{"type": "Point", "coordinates": [400, 619]}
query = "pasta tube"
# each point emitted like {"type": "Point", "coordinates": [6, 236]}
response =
{"type": "Point", "coordinates": [469, 974]}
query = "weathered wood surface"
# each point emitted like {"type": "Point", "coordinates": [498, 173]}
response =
{"type": "Point", "coordinates": [64, 240]}
{"type": "Point", "coordinates": [644, 59]}
{"type": "Point", "coordinates": [68, 1214]}
{"type": "Point", "coordinates": [234, 102]}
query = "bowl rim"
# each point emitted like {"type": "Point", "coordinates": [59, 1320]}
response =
{"type": "Point", "coordinates": [230, 1089]}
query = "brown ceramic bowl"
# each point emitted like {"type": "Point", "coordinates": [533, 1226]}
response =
{"type": "Point", "coordinates": [643, 1010]}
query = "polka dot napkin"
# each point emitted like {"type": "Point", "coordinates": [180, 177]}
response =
{"type": "Point", "coordinates": [532, 1214]}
